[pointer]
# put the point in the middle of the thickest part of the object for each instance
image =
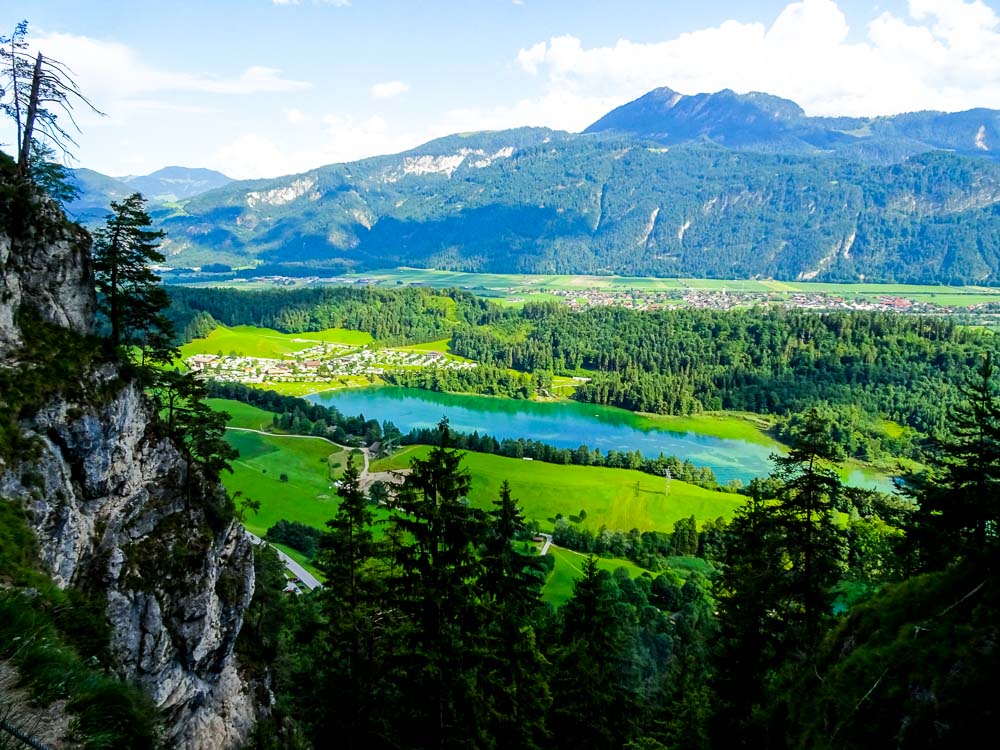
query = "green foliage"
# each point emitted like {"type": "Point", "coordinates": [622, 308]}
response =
{"type": "Point", "coordinates": [18, 547]}
{"type": "Point", "coordinates": [107, 713]}
{"type": "Point", "coordinates": [51, 361]}
{"type": "Point", "coordinates": [130, 293]}
{"type": "Point", "coordinates": [915, 667]}
{"type": "Point", "coordinates": [959, 509]}
{"type": "Point", "coordinates": [404, 316]}
{"type": "Point", "coordinates": [783, 557]}
{"type": "Point", "coordinates": [296, 535]}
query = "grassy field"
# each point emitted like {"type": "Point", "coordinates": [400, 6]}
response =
{"type": "Point", "coordinates": [569, 567]}
{"type": "Point", "coordinates": [242, 415]}
{"type": "Point", "coordinates": [732, 425]}
{"type": "Point", "coordinates": [249, 341]}
{"type": "Point", "coordinates": [311, 465]}
{"type": "Point", "coordinates": [306, 388]}
{"type": "Point", "coordinates": [534, 287]}
{"type": "Point", "coordinates": [618, 498]}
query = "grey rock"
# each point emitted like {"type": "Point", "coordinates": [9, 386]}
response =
{"type": "Point", "coordinates": [115, 505]}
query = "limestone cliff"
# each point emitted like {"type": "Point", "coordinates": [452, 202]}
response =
{"type": "Point", "coordinates": [116, 507]}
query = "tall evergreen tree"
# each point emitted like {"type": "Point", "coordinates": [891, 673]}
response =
{"type": "Point", "coordinates": [959, 503]}
{"type": "Point", "coordinates": [513, 673]}
{"type": "Point", "coordinates": [595, 676]}
{"type": "Point", "coordinates": [437, 536]}
{"type": "Point", "coordinates": [351, 603]}
{"type": "Point", "coordinates": [804, 512]}
{"type": "Point", "coordinates": [130, 293]}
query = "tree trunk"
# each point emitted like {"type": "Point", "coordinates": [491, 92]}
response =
{"type": "Point", "coordinates": [29, 120]}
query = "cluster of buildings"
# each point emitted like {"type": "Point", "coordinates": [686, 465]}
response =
{"type": "Point", "coordinates": [315, 365]}
{"type": "Point", "coordinates": [722, 299]}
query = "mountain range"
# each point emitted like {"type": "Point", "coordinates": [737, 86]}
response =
{"type": "Point", "coordinates": [718, 185]}
{"type": "Point", "coordinates": [170, 184]}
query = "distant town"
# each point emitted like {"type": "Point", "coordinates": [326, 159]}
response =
{"type": "Point", "coordinates": [324, 363]}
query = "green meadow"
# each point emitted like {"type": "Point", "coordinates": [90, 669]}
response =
{"type": "Point", "coordinates": [535, 286]}
{"type": "Point", "coordinates": [242, 415]}
{"type": "Point", "coordinates": [250, 341]}
{"type": "Point", "coordinates": [311, 466]}
{"type": "Point", "coordinates": [569, 567]}
{"type": "Point", "coordinates": [732, 425]}
{"type": "Point", "coordinates": [617, 498]}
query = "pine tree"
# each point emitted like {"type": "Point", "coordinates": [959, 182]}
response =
{"type": "Point", "coordinates": [350, 601]}
{"type": "Point", "coordinates": [513, 673]}
{"type": "Point", "coordinates": [130, 293]}
{"type": "Point", "coordinates": [810, 542]}
{"type": "Point", "coordinates": [437, 537]}
{"type": "Point", "coordinates": [959, 504]}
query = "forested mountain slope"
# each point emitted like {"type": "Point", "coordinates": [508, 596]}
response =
{"type": "Point", "coordinates": [546, 202]}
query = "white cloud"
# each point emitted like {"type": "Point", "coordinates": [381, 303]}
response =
{"type": "Point", "coordinates": [332, 139]}
{"type": "Point", "coordinates": [945, 54]}
{"type": "Point", "coordinates": [110, 71]}
{"type": "Point", "coordinates": [389, 89]}
{"type": "Point", "coordinates": [296, 116]}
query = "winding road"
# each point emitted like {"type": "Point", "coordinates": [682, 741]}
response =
{"type": "Point", "coordinates": [365, 479]}
{"type": "Point", "coordinates": [307, 578]}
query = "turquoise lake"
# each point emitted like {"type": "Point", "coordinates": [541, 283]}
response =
{"type": "Point", "coordinates": [564, 425]}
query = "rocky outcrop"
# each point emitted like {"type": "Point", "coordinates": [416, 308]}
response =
{"type": "Point", "coordinates": [118, 510]}
{"type": "Point", "coordinates": [43, 266]}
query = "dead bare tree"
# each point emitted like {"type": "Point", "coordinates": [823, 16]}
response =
{"type": "Point", "coordinates": [34, 91]}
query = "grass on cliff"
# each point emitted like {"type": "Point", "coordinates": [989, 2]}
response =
{"type": "Point", "coordinates": [56, 639]}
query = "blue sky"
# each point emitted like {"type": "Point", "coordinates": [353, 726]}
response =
{"type": "Point", "coordinates": [267, 87]}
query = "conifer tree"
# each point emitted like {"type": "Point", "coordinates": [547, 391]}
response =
{"type": "Point", "coordinates": [438, 537]}
{"type": "Point", "coordinates": [959, 503]}
{"type": "Point", "coordinates": [350, 601]}
{"type": "Point", "coordinates": [130, 293]}
{"type": "Point", "coordinates": [809, 540]}
{"type": "Point", "coordinates": [513, 673]}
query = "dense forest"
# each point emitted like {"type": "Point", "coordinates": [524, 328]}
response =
{"type": "Point", "coordinates": [802, 626]}
{"type": "Point", "coordinates": [863, 365]}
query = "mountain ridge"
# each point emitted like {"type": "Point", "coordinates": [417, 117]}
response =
{"type": "Point", "coordinates": [721, 185]}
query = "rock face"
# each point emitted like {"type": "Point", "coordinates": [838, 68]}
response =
{"type": "Point", "coordinates": [117, 509]}
{"type": "Point", "coordinates": [44, 266]}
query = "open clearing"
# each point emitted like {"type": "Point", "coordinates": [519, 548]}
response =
{"type": "Point", "coordinates": [250, 341]}
{"type": "Point", "coordinates": [520, 285]}
{"type": "Point", "coordinates": [311, 465]}
{"type": "Point", "coordinates": [617, 498]}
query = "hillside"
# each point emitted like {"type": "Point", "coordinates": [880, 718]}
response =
{"type": "Point", "coordinates": [720, 186]}
{"type": "Point", "coordinates": [556, 203]}
{"type": "Point", "coordinates": [761, 122]}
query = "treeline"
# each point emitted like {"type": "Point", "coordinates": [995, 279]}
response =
{"type": "Point", "coordinates": [300, 417]}
{"type": "Point", "coordinates": [770, 361]}
{"type": "Point", "coordinates": [485, 380]}
{"type": "Point", "coordinates": [905, 368]}
{"type": "Point", "coordinates": [536, 450]}
{"type": "Point", "coordinates": [858, 434]}
{"type": "Point", "coordinates": [651, 550]}
{"type": "Point", "coordinates": [392, 316]}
